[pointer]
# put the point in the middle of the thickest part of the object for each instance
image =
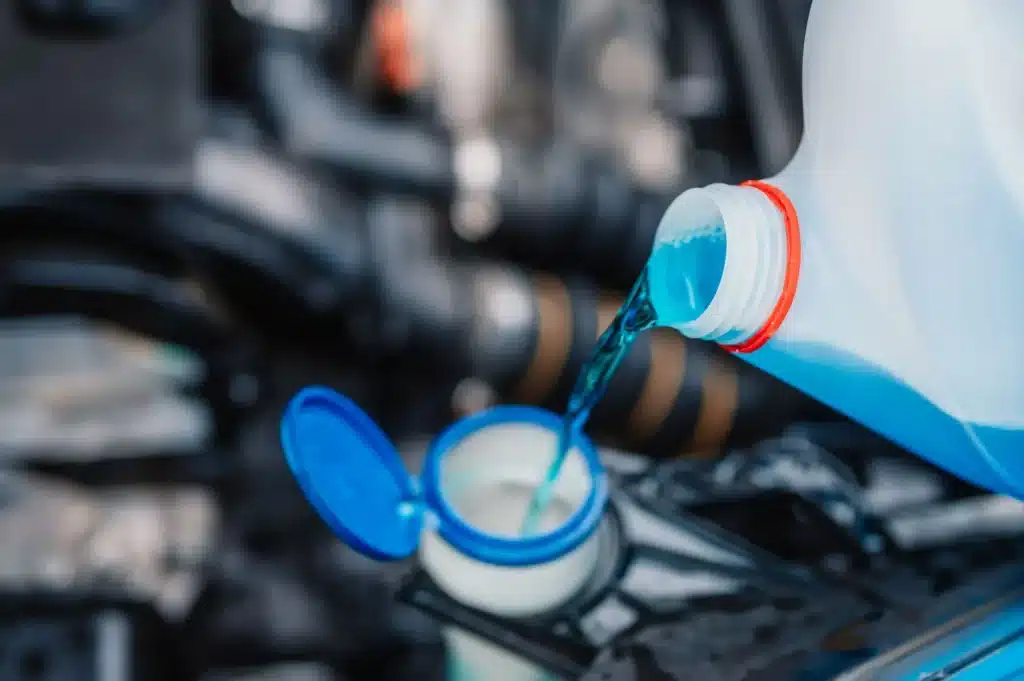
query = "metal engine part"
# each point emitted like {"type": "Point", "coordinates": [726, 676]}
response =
{"type": "Point", "coordinates": [148, 542]}
{"type": "Point", "coordinates": [75, 390]}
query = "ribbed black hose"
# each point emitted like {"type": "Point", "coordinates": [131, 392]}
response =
{"type": "Point", "coordinates": [528, 337]}
{"type": "Point", "coordinates": [554, 208]}
{"type": "Point", "coordinates": [302, 273]}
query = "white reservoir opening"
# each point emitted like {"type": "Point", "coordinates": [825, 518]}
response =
{"type": "Point", "coordinates": [488, 479]}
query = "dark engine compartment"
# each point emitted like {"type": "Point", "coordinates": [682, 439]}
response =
{"type": "Point", "coordinates": [206, 205]}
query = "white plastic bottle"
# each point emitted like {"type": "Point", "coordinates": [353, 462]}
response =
{"type": "Point", "coordinates": [905, 247]}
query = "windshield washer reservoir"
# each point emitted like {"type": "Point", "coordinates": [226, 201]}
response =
{"type": "Point", "coordinates": [462, 515]}
{"type": "Point", "coordinates": [474, 476]}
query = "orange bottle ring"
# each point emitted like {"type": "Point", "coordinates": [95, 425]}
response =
{"type": "Point", "coordinates": [792, 276]}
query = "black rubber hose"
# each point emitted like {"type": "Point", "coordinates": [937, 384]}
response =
{"type": "Point", "coordinates": [313, 122]}
{"type": "Point", "coordinates": [282, 248]}
{"type": "Point", "coordinates": [277, 274]}
{"type": "Point", "coordinates": [70, 281]}
{"type": "Point", "coordinates": [249, 204]}
{"type": "Point", "coordinates": [528, 336]}
{"type": "Point", "coordinates": [769, 69]}
{"type": "Point", "coordinates": [50, 282]}
{"type": "Point", "coordinates": [549, 207]}
{"type": "Point", "coordinates": [672, 396]}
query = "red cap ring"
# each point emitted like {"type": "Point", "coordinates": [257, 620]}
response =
{"type": "Point", "coordinates": [792, 276]}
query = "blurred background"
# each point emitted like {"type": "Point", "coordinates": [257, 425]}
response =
{"type": "Point", "coordinates": [433, 206]}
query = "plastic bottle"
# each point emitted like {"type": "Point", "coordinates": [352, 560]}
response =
{"type": "Point", "coordinates": [880, 271]}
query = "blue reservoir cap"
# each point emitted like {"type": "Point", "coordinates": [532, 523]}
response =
{"type": "Point", "coordinates": [354, 477]}
{"type": "Point", "coordinates": [352, 474]}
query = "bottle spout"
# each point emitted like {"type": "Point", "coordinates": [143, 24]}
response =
{"type": "Point", "coordinates": [719, 263]}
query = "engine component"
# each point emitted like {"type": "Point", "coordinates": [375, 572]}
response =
{"type": "Point", "coordinates": [608, 74]}
{"type": "Point", "coordinates": [128, 111]}
{"type": "Point", "coordinates": [653, 568]}
{"type": "Point", "coordinates": [83, 636]}
{"type": "Point", "coordinates": [70, 280]}
{"type": "Point", "coordinates": [72, 19]}
{"type": "Point", "coordinates": [75, 390]}
{"type": "Point", "coordinates": [462, 54]}
{"type": "Point", "coordinates": [258, 612]}
{"type": "Point", "coordinates": [549, 206]}
{"type": "Point", "coordinates": [733, 641]}
{"type": "Point", "coordinates": [277, 241]}
{"type": "Point", "coordinates": [790, 465]}
{"type": "Point", "coordinates": [972, 632]}
{"type": "Point", "coordinates": [148, 542]}
{"type": "Point", "coordinates": [974, 519]}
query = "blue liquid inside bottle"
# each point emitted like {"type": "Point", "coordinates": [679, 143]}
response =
{"type": "Point", "coordinates": [985, 455]}
{"type": "Point", "coordinates": [684, 275]}
{"type": "Point", "coordinates": [678, 284]}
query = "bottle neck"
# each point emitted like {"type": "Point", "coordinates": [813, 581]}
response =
{"type": "Point", "coordinates": [750, 277]}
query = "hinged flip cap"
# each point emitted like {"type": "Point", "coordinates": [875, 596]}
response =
{"type": "Point", "coordinates": [352, 474]}
{"type": "Point", "coordinates": [354, 477]}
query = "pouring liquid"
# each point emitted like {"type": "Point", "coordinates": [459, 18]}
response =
{"type": "Point", "coordinates": [680, 279]}
{"type": "Point", "coordinates": [635, 316]}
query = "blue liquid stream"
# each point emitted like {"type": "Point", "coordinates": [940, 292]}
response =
{"type": "Point", "coordinates": [680, 280]}
{"type": "Point", "coordinates": [635, 316]}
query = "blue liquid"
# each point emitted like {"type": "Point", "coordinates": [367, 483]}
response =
{"type": "Point", "coordinates": [987, 456]}
{"type": "Point", "coordinates": [678, 284]}
{"type": "Point", "coordinates": [680, 280]}
{"type": "Point", "coordinates": [635, 316]}
{"type": "Point", "coordinates": [684, 275]}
